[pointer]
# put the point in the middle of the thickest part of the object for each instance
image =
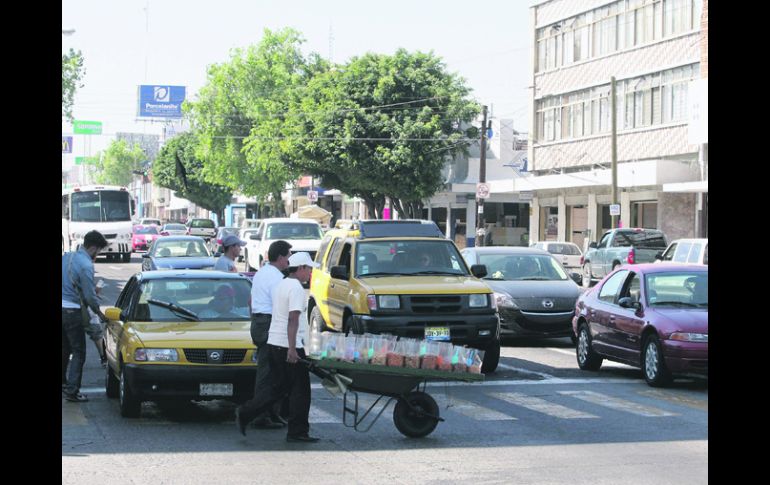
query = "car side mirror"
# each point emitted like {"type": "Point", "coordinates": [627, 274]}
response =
{"type": "Point", "coordinates": [593, 245]}
{"type": "Point", "coordinates": [479, 270]}
{"type": "Point", "coordinates": [255, 237]}
{"type": "Point", "coordinates": [113, 314]}
{"type": "Point", "coordinates": [628, 302]}
{"type": "Point", "coordinates": [659, 256]}
{"type": "Point", "coordinates": [577, 278]}
{"type": "Point", "coordinates": [339, 272]}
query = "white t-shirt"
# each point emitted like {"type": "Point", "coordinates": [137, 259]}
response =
{"type": "Point", "coordinates": [262, 286]}
{"type": "Point", "coordinates": [288, 296]}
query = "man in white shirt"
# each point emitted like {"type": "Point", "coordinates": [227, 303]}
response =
{"type": "Point", "coordinates": [286, 340]}
{"type": "Point", "coordinates": [232, 245]}
{"type": "Point", "coordinates": [262, 286]}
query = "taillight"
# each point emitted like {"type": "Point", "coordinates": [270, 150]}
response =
{"type": "Point", "coordinates": [631, 256]}
{"type": "Point", "coordinates": [582, 260]}
{"type": "Point", "coordinates": [219, 241]}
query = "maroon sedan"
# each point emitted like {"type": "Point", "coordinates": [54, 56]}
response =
{"type": "Point", "coordinates": [651, 316]}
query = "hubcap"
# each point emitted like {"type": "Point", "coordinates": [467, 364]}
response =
{"type": "Point", "coordinates": [651, 361]}
{"type": "Point", "coordinates": [583, 346]}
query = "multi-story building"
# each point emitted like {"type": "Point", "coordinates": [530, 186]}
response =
{"type": "Point", "coordinates": [653, 49]}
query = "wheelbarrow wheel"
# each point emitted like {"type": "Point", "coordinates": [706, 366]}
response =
{"type": "Point", "coordinates": [412, 420]}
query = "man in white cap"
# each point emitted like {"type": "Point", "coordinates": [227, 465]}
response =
{"type": "Point", "coordinates": [232, 245]}
{"type": "Point", "coordinates": [286, 341]}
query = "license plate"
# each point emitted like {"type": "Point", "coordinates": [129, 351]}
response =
{"type": "Point", "coordinates": [437, 333]}
{"type": "Point", "coordinates": [216, 389]}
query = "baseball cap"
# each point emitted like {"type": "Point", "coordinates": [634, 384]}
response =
{"type": "Point", "coordinates": [302, 259]}
{"type": "Point", "coordinates": [232, 240]}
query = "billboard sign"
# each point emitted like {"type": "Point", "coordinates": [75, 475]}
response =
{"type": "Point", "coordinates": [66, 144]}
{"type": "Point", "coordinates": [161, 101]}
{"type": "Point", "coordinates": [87, 127]}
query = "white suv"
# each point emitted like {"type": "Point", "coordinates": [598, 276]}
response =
{"type": "Point", "coordinates": [204, 228]}
{"type": "Point", "coordinates": [304, 235]}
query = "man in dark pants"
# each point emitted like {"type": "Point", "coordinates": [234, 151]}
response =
{"type": "Point", "coordinates": [288, 332]}
{"type": "Point", "coordinates": [77, 288]}
{"type": "Point", "coordinates": [262, 286]}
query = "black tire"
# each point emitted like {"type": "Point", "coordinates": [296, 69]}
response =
{"type": "Point", "coordinates": [654, 364]}
{"type": "Point", "coordinates": [130, 406]}
{"type": "Point", "coordinates": [574, 339]}
{"type": "Point", "coordinates": [112, 385]}
{"type": "Point", "coordinates": [126, 257]}
{"type": "Point", "coordinates": [491, 358]}
{"type": "Point", "coordinates": [317, 323]}
{"type": "Point", "coordinates": [587, 275]}
{"type": "Point", "coordinates": [410, 421]}
{"type": "Point", "coordinates": [587, 358]}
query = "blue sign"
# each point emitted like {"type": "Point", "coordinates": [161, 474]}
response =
{"type": "Point", "coordinates": [66, 144]}
{"type": "Point", "coordinates": [161, 101]}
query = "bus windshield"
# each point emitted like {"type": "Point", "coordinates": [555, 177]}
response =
{"type": "Point", "coordinates": [101, 206]}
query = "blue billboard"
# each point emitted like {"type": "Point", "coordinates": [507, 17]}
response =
{"type": "Point", "coordinates": [161, 101]}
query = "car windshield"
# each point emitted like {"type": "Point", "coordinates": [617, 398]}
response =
{"type": "Point", "coordinates": [640, 239]}
{"type": "Point", "coordinates": [566, 249]}
{"type": "Point", "coordinates": [164, 248]}
{"type": "Point", "coordinates": [101, 206]}
{"type": "Point", "coordinates": [518, 267]}
{"type": "Point", "coordinates": [293, 230]}
{"type": "Point", "coordinates": [685, 289]}
{"type": "Point", "coordinates": [172, 300]}
{"type": "Point", "coordinates": [226, 231]}
{"type": "Point", "coordinates": [422, 257]}
{"type": "Point", "coordinates": [146, 230]}
{"type": "Point", "coordinates": [174, 227]}
{"type": "Point", "coordinates": [206, 223]}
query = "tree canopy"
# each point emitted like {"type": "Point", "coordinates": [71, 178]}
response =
{"type": "Point", "coordinates": [116, 165]}
{"type": "Point", "coordinates": [72, 72]}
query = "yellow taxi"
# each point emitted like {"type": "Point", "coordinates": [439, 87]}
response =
{"type": "Point", "coordinates": [180, 335]}
{"type": "Point", "coordinates": [403, 278]}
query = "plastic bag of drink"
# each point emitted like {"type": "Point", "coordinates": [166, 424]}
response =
{"type": "Point", "coordinates": [395, 357]}
{"type": "Point", "coordinates": [429, 354]}
{"type": "Point", "coordinates": [445, 353]}
{"type": "Point", "coordinates": [459, 359]}
{"type": "Point", "coordinates": [411, 353]}
{"type": "Point", "coordinates": [473, 359]}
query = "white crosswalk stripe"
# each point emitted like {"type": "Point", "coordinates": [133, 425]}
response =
{"type": "Point", "coordinates": [617, 403]}
{"type": "Point", "coordinates": [541, 405]}
{"type": "Point", "coordinates": [469, 409]}
{"type": "Point", "coordinates": [318, 415]}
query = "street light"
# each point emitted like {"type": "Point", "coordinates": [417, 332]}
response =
{"type": "Point", "coordinates": [67, 31]}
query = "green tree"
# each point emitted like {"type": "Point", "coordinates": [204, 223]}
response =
{"type": "Point", "coordinates": [117, 164]}
{"type": "Point", "coordinates": [178, 168]}
{"type": "Point", "coordinates": [72, 72]}
{"type": "Point", "coordinates": [382, 125]}
{"type": "Point", "coordinates": [240, 115]}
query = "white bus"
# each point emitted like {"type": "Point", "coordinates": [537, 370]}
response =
{"type": "Point", "coordinates": [105, 208]}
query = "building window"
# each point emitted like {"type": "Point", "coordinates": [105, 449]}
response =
{"type": "Point", "coordinates": [644, 215]}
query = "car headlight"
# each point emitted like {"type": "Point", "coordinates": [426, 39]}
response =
{"type": "Point", "coordinates": [390, 302]}
{"type": "Point", "coordinates": [689, 337]}
{"type": "Point", "coordinates": [478, 300]}
{"type": "Point", "coordinates": [505, 300]}
{"type": "Point", "coordinates": [156, 355]}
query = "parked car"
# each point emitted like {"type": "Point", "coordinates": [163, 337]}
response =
{"type": "Point", "coordinates": [620, 246]}
{"type": "Point", "coordinates": [178, 252]}
{"type": "Point", "coordinates": [303, 235]}
{"type": "Point", "coordinates": [204, 228]}
{"type": "Point", "coordinates": [686, 251]}
{"type": "Point", "coordinates": [149, 221]}
{"type": "Point", "coordinates": [173, 229]}
{"type": "Point", "coordinates": [180, 335]}
{"type": "Point", "coordinates": [566, 253]}
{"type": "Point", "coordinates": [221, 233]}
{"type": "Point", "coordinates": [651, 316]}
{"type": "Point", "coordinates": [250, 223]}
{"type": "Point", "coordinates": [535, 295]}
{"type": "Point", "coordinates": [143, 236]}
{"type": "Point", "coordinates": [403, 278]}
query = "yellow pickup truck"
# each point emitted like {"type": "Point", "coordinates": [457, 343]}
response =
{"type": "Point", "coordinates": [402, 278]}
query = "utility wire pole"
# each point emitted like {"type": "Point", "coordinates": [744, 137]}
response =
{"type": "Point", "coordinates": [480, 232]}
{"type": "Point", "coordinates": [614, 124]}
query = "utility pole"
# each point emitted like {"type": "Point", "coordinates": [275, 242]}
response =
{"type": "Point", "coordinates": [480, 232]}
{"type": "Point", "coordinates": [614, 124]}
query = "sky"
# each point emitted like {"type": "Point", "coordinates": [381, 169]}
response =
{"type": "Point", "coordinates": [171, 42]}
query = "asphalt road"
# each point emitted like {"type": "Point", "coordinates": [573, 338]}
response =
{"type": "Point", "coordinates": [538, 419]}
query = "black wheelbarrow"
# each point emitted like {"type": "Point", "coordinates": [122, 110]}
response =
{"type": "Point", "coordinates": [416, 413]}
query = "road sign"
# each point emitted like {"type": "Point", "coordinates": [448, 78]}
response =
{"type": "Point", "coordinates": [312, 195]}
{"type": "Point", "coordinates": [161, 101]}
{"type": "Point", "coordinates": [86, 160]}
{"type": "Point", "coordinates": [87, 127]}
{"type": "Point", "coordinates": [66, 144]}
{"type": "Point", "coordinates": [614, 209]}
{"type": "Point", "coordinates": [482, 191]}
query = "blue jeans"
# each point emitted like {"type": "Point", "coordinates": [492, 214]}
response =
{"type": "Point", "coordinates": [73, 342]}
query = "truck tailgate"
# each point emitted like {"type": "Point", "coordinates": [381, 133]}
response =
{"type": "Point", "coordinates": [646, 255]}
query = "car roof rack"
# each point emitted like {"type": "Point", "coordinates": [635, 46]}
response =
{"type": "Point", "coordinates": [375, 228]}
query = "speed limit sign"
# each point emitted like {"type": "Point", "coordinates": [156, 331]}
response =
{"type": "Point", "coordinates": [312, 195]}
{"type": "Point", "coordinates": [482, 191]}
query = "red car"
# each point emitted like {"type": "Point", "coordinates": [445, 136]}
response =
{"type": "Point", "coordinates": [144, 236]}
{"type": "Point", "coordinates": [650, 316]}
